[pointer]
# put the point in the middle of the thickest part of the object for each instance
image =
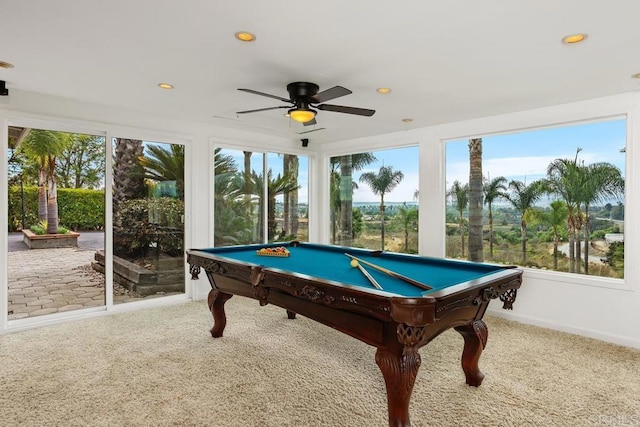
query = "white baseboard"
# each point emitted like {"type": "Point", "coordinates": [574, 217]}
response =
{"type": "Point", "coordinates": [589, 333]}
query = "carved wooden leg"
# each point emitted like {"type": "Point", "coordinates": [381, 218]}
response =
{"type": "Point", "coordinates": [475, 339]}
{"type": "Point", "coordinates": [399, 370]}
{"type": "Point", "coordinates": [216, 302]}
{"type": "Point", "coordinates": [291, 314]}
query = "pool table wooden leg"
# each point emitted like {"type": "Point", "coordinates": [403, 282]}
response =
{"type": "Point", "coordinates": [216, 302]}
{"type": "Point", "coordinates": [475, 339]}
{"type": "Point", "coordinates": [399, 369]}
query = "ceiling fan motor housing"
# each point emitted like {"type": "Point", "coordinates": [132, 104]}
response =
{"type": "Point", "coordinates": [302, 91]}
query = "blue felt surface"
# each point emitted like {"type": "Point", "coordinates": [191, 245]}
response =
{"type": "Point", "coordinates": [329, 262]}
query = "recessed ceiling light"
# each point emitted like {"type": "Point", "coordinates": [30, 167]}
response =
{"type": "Point", "coordinates": [383, 90]}
{"type": "Point", "coordinates": [5, 64]}
{"type": "Point", "coordinates": [245, 36]}
{"type": "Point", "coordinates": [574, 38]}
{"type": "Point", "coordinates": [636, 76]}
{"type": "Point", "coordinates": [165, 85]}
{"type": "Point", "coordinates": [407, 120]}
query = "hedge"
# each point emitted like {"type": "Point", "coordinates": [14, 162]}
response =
{"type": "Point", "coordinates": [78, 209]}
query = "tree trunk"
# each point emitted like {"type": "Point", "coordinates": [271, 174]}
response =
{"type": "Point", "coordinates": [42, 195]}
{"type": "Point", "coordinates": [346, 200]}
{"type": "Point", "coordinates": [578, 244]}
{"type": "Point", "coordinates": [571, 231]}
{"type": "Point", "coordinates": [572, 252]}
{"type": "Point", "coordinates": [382, 207]}
{"type": "Point", "coordinates": [578, 267]}
{"type": "Point", "coordinates": [523, 237]}
{"type": "Point", "coordinates": [291, 219]}
{"type": "Point", "coordinates": [461, 225]}
{"type": "Point", "coordinates": [490, 232]}
{"type": "Point", "coordinates": [586, 239]}
{"type": "Point", "coordinates": [52, 207]}
{"type": "Point", "coordinates": [555, 253]}
{"type": "Point", "coordinates": [406, 238]}
{"type": "Point", "coordinates": [475, 200]}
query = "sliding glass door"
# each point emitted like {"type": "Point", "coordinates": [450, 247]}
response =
{"type": "Point", "coordinates": [148, 219]}
{"type": "Point", "coordinates": [56, 221]}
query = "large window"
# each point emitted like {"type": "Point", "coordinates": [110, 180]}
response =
{"type": "Point", "coordinates": [374, 200]}
{"type": "Point", "coordinates": [252, 206]}
{"type": "Point", "coordinates": [550, 199]}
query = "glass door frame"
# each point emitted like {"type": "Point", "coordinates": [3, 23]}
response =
{"type": "Point", "coordinates": [28, 121]}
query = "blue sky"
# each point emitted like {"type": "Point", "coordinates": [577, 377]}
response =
{"type": "Point", "coordinates": [525, 156]}
{"type": "Point", "coordinates": [522, 156]}
{"type": "Point", "coordinates": [400, 159]}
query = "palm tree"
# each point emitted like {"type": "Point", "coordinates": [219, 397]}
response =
{"type": "Point", "coordinates": [341, 188]}
{"type": "Point", "coordinates": [602, 181]}
{"type": "Point", "coordinates": [381, 183]}
{"type": "Point", "coordinates": [408, 218]}
{"type": "Point", "coordinates": [162, 164]}
{"type": "Point", "coordinates": [566, 179]}
{"type": "Point", "coordinates": [493, 190]}
{"type": "Point", "coordinates": [128, 173]}
{"type": "Point", "coordinates": [291, 165]}
{"type": "Point", "coordinates": [460, 196]}
{"type": "Point", "coordinates": [231, 227]}
{"type": "Point", "coordinates": [281, 184]}
{"type": "Point", "coordinates": [555, 218]}
{"type": "Point", "coordinates": [475, 200]}
{"type": "Point", "coordinates": [43, 146]}
{"type": "Point", "coordinates": [523, 197]}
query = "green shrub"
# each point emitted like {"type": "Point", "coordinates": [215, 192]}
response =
{"type": "Point", "coordinates": [78, 209]}
{"type": "Point", "coordinates": [141, 224]}
{"type": "Point", "coordinates": [81, 209]}
{"type": "Point", "coordinates": [599, 234]}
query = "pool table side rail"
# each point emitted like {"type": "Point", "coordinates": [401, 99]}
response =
{"type": "Point", "coordinates": [413, 311]}
{"type": "Point", "coordinates": [263, 280]}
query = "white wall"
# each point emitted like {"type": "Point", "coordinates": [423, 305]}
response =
{"type": "Point", "coordinates": [601, 308]}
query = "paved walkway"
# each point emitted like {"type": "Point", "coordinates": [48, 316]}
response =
{"type": "Point", "coordinates": [46, 281]}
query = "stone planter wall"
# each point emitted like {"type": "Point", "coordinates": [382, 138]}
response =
{"type": "Point", "coordinates": [141, 280]}
{"type": "Point", "coordinates": [49, 241]}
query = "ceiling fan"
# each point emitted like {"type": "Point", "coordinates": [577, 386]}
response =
{"type": "Point", "coordinates": [304, 97]}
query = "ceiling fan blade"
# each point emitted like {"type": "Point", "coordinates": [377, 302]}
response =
{"type": "Point", "coordinates": [309, 131]}
{"type": "Point", "coordinates": [310, 122]}
{"type": "Point", "coordinates": [348, 110]}
{"type": "Point", "coordinates": [262, 109]}
{"type": "Point", "coordinates": [255, 92]}
{"type": "Point", "coordinates": [329, 94]}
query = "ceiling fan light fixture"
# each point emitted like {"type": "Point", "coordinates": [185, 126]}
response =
{"type": "Point", "coordinates": [302, 115]}
{"type": "Point", "coordinates": [245, 36]}
{"type": "Point", "coordinates": [167, 86]}
{"type": "Point", "coordinates": [383, 90]}
{"type": "Point", "coordinates": [574, 38]}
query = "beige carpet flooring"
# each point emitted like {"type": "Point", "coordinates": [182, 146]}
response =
{"type": "Point", "coordinates": [160, 367]}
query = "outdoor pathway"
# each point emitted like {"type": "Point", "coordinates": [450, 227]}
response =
{"type": "Point", "coordinates": [46, 281]}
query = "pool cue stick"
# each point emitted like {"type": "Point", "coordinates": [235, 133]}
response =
{"type": "Point", "coordinates": [370, 277]}
{"type": "Point", "coordinates": [392, 273]}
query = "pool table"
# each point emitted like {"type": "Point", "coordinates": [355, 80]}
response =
{"type": "Point", "coordinates": [319, 282]}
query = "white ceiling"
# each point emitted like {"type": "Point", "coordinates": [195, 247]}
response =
{"type": "Point", "coordinates": [445, 61]}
